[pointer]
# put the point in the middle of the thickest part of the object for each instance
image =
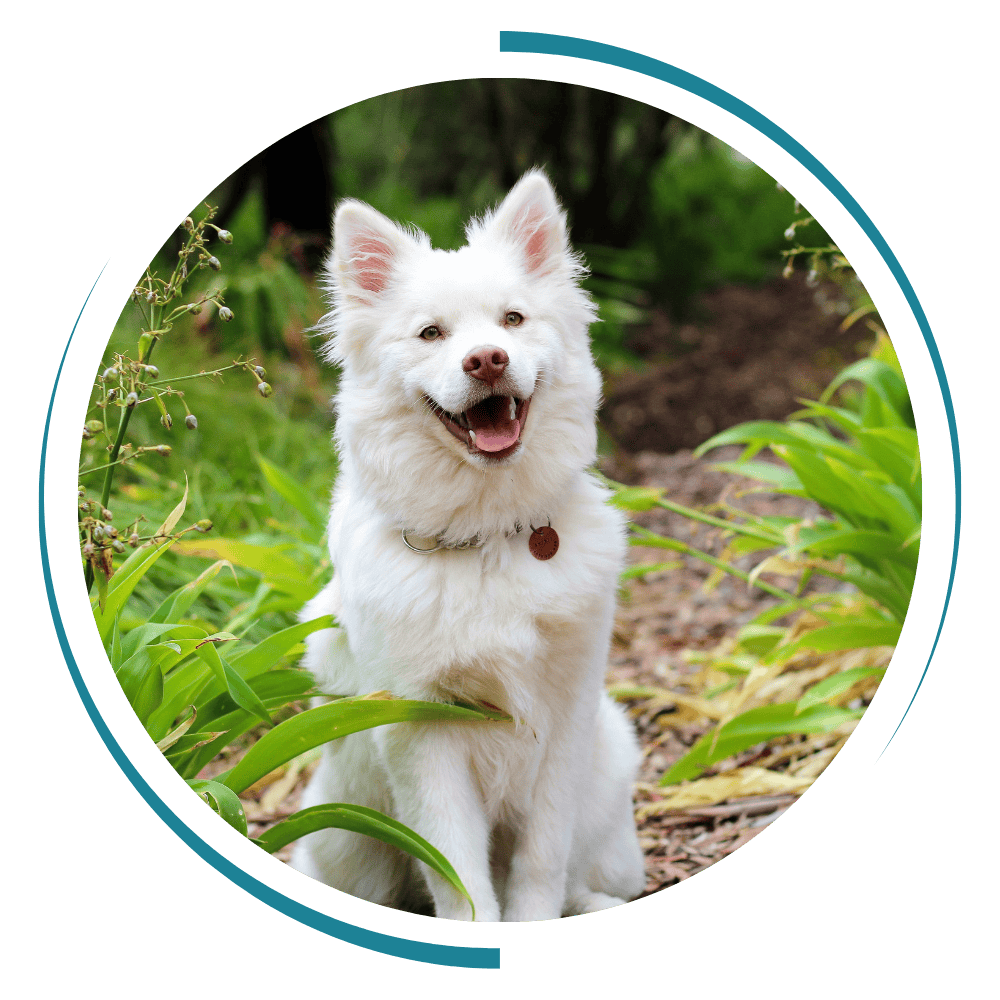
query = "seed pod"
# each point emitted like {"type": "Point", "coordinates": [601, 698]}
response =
{"type": "Point", "coordinates": [215, 264]}
{"type": "Point", "coordinates": [86, 434]}
{"type": "Point", "coordinates": [107, 515]}
{"type": "Point", "coordinates": [97, 533]}
{"type": "Point", "coordinates": [225, 314]}
{"type": "Point", "coordinates": [151, 297]}
{"type": "Point", "coordinates": [163, 449]}
{"type": "Point", "coordinates": [80, 491]}
{"type": "Point", "coordinates": [110, 372]}
{"type": "Point", "coordinates": [188, 223]}
{"type": "Point", "coordinates": [203, 525]}
{"type": "Point", "coordinates": [259, 372]}
{"type": "Point", "coordinates": [133, 539]}
{"type": "Point", "coordinates": [112, 395]}
{"type": "Point", "coordinates": [111, 531]}
{"type": "Point", "coordinates": [191, 422]}
{"type": "Point", "coordinates": [195, 309]}
{"type": "Point", "coordinates": [264, 389]}
{"type": "Point", "coordinates": [225, 235]}
{"type": "Point", "coordinates": [167, 421]}
{"type": "Point", "coordinates": [131, 399]}
{"type": "Point", "coordinates": [94, 426]}
{"type": "Point", "coordinates": [152, 371]}
{"type": "Point", "coordinates": [790, 233]}
{"type": "Point", "coordinates": [145, 343]}
{"type": "Point", "coordinates": [88, 550]}
{"type": "Point", "coordinates": [118, 545]}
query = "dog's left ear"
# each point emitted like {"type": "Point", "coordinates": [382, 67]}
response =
{"type": "Point", "coordinates": [530, 220]}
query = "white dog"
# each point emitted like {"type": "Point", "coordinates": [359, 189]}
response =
{"type": "Point", "coordinates": [465, 424]}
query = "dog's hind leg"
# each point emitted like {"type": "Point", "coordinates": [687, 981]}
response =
{"type": "Point", "coordinates": [607, 867]}
{"type": "Point", "coordinates": [349, 771]}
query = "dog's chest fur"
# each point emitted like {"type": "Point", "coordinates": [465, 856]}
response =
{"type": "Point", "coordinates": [488, 624]}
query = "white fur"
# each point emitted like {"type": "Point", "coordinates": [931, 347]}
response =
{"type": "Point", "coordinates": [535, 816]}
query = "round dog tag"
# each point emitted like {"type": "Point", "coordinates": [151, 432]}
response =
{"type": "Point", "coordinates": [543, 543]}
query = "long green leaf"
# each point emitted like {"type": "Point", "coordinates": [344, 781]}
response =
{"type": "Point", "coordinates": [832, 687]}
{"type": "Point", "coordinates": [834, 638]}
{"type": "Point", "coordinates": [235, 685]}
{"type": "Point", "coordinates": [291, 491]}
{"type": "Point", "coordinates": [755, 726]}
{"type": "Point", "coordinates": [224, 801]}
{"type": "Point", "coordinates": [340, 718]}
{"type": "Point", "coordinates": [269, 561]}
{"type": "Point", "coordinates": [370, 822]}
{"type": "Point", "coordinates": [179, 602]}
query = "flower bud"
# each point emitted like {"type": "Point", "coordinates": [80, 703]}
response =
{"type": "Point", "coordinates": [264, 389]}
{"type": "Point", "coordinates": [259, 372]}
{"type": "Point", "coordinates": [191, 422]}
{"type": "Point", "coordinates": [98, 532]}
{"type": "Point", "coordinates": [152, 371]}
{"type": "Point", "coordinates": [195, 309]}
{"type": "Point", "coordinates": [118, 545]}
{"type": "Point", "coordinates": [203, 525]}
{"type": "Point", "coordinates": [106, 514]}
{"type": "Point", "coordinates": [188, 223]}
{"type": "Point", "coordinates": [88, 550]}
{"type": "Point", "coordinates": [225, 314]}
{"type": "Point", "coordinates": [86, 434]}
{"type": "Point", "coordinates": [167, 421]}
{"type": "Point", "coordinates": [112, 395]}
{"type": "Point", "coordinates": [133, 539]}
{"type": "Point", "coordinates": [812, 278]}
{"type": "Point", "coordinates": [789, 270]}
{"type": "Point", "coordinates": [163, 449]}
{"type": "Point", "coordinates": [94, 426]}
{"type": "Point", "coordinates": [131, 399]}
{"type": "Point", "coordinates": [151, 297]}
{"type": "Point", "coordinates": [790, 233]}
{"type": "Point", "coordinates": [111, 531]}
{"type": "Point", "coordinates": [225, 235]}
{"type": "Point", "coordinates": [110, 372]}
{"type": "Point", "coordinates": [215, 264]}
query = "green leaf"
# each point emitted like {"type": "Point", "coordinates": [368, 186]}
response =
{"type": "Point", "coordinates": [636, 498]}
{"type": "Point", "coordinates": [834, 638]}
{"type": "Point", "coordinates": [370, 822]}
{"type": "Point", "coordinates": [237, 687]}
{"type": "Point", "coordinates": [291, 491]}
{"type": "Point", "coordinates": [123, 583]}
{"type": "Point", "coordinates": [270, 561]}
{"type": "Point", "coordinates": [224, 801]}
{"type": "Point", "coordinates": [142, 682]}
{"type": "Point", "coordinates": [178, 603]}
{"type": "Point", "coordinates": [760, 639]}
{"type": "Point", "coordinates": [831, 687]}
{"type": "Point", "coordinates": [331, 721]}
{"type": "Point", "coordinates": [750, 728]}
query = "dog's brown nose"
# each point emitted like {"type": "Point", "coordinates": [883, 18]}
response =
{"type": "Point", "coordinates": [486, 364]}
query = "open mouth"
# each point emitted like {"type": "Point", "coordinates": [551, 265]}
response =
{"type": "Point", "coordinates": [492, 427]}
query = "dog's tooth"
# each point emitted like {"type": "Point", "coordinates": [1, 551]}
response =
{"type": "Point", "coordinates": [513, 408]}
{"type": "Point", "coordinates": [472, 436]}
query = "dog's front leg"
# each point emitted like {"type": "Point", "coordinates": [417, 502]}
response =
{"type": "Point", "coordinates": [536, 885]}
{"type": "Point", "coordinates": [436, 795]}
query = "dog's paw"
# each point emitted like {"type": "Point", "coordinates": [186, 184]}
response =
{"type": "Point", "coordinates": [591, 902]}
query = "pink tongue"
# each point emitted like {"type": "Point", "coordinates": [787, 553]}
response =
{"type": "Point", "coordinates": [492, 424]}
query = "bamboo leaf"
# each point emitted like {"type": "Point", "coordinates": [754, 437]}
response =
{"type": "Point", "coordinates": [224, 801]}
{"type": "Point", "coordinates": [340, 718]}
{"type": "Point", "coordinates": [832, 687]}
{"type": "Point", "coordinates": [371, 823]}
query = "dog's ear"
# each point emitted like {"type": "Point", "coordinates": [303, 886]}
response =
{"type": "Point", "coordinates": [367, 248]}
{"type": "Point", "coordinates": [530, 219]}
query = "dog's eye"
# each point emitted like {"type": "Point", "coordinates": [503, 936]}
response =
{"type": "Point", "coordinates": [513, 319]}
{"type": "Point", "coordinates": [430, 333]}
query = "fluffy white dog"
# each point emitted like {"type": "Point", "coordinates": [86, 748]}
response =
{"type": "Point", "coordinates": [465, 424]}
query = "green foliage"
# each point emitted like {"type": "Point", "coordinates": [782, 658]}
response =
{"type": "Point", "coordinates": [859, 460]}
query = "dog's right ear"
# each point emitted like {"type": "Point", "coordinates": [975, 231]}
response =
{"type": "Point", "coordinates": [366, 250]}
